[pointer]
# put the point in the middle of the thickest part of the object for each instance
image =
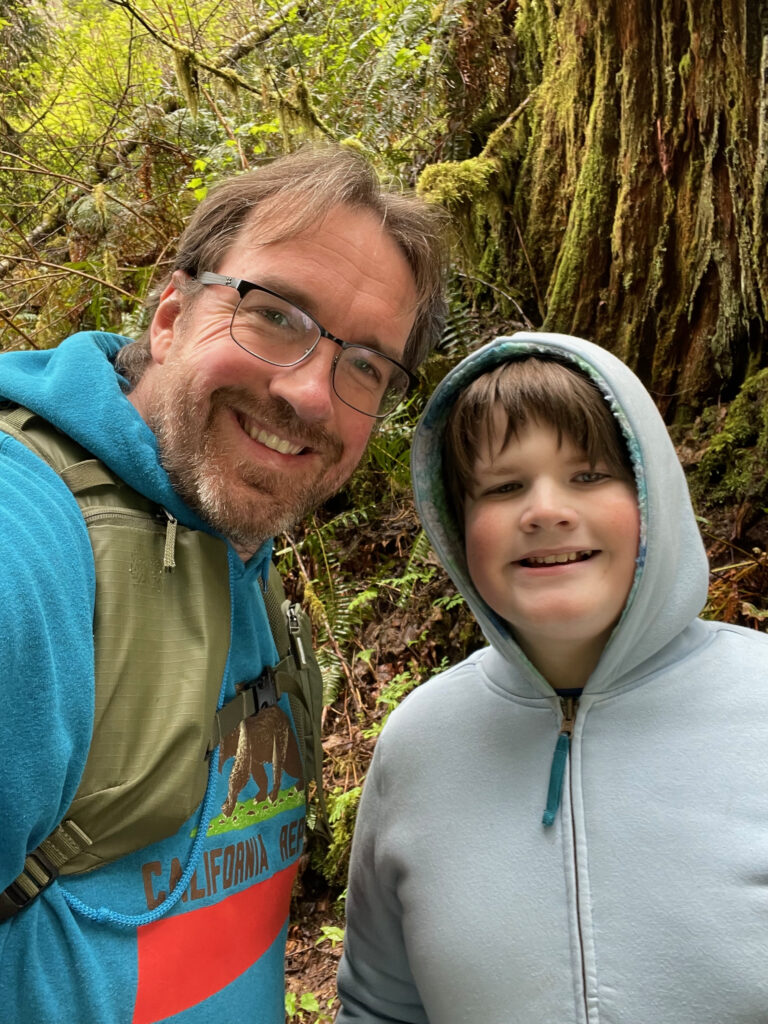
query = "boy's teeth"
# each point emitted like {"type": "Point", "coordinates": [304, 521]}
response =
{"type": "Point", "coordinates": [561, 559]}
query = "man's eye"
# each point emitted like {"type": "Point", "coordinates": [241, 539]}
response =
{"type": "Point", "coordinates": [274, 317]}
{"type": "Point", "coordinates": [366, 368]}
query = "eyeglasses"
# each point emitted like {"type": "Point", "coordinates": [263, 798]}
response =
{"type": "Point", "coordinates": [282, 334]}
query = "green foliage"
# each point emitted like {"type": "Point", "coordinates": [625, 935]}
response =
{"type": "Point", "coordinates": [330, 933]}
{"type": "Point", "coordinates": [332, 861]}
{"type": "Point", "coordinates": [307, 1007]}
{"type": "Point", "coordinates": [733, 468]}
{"type": "Point", "coordinates": [151, 105]}
{"type": "Point", "coordinates": [390, 696]}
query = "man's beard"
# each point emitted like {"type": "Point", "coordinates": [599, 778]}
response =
{"type": "Point", "coordinates": [245, 502]}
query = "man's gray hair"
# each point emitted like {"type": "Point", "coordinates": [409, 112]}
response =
{"type": "Point", "coordinates": [291, 194]}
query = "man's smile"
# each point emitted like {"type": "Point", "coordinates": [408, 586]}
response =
{"type": "Point", "coordinates": [270, 440]}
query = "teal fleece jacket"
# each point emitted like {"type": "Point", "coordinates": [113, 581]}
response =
{"type": "Point", "coordinates": [89, 950]}
{"type": "Point", "coordinates": [646, 899]}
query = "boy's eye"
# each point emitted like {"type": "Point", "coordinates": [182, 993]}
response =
{"type": "Point", "coordinates": [590, 476]}
{"type": "Point", "coordinates": [508, 487]}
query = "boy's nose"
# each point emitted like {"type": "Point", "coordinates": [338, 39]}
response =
{"type": "Point", "coordinates": [307, 386]}
{"type": "Point", "coordinates": [547, 507]}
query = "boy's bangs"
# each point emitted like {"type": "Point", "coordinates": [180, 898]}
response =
{"type": "Point", "coordinates": [530, 390]}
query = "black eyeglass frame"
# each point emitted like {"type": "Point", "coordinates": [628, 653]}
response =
{"type": "Point", "coordinates": [242, 287]}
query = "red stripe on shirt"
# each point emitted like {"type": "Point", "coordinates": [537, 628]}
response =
{"type": "Point", "coordinates": [184, 959]}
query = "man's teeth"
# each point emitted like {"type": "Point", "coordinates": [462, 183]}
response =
{"type": "Point", "coordinates": [277, 444]}
{"type": "Point", "coordinates": [560, 559]}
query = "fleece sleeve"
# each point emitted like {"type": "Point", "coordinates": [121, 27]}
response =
{"type": "Point", "coordinates": [46, 652]}
{"type": "Point", "coordinates": [375, 982]}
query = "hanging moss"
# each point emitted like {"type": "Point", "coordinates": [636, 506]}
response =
{"type": "Point", "coordinates": [733, 469]}
{"type": "Point", "coordinates": [186, 77]}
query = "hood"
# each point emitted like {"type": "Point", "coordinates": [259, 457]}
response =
{"type": "Point", "coordinates": [672, 574]}
{"type": "Point", "coordinates": [75, 387]}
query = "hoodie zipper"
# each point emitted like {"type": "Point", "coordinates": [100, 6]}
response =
{"type": "Point", "coordinates": [569, 707]}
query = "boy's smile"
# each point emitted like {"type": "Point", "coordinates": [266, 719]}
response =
{"type": "Point", "coordinates": [551, 546]}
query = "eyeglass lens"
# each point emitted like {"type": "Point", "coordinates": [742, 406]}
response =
{"type": "Point", "coordinates": [278, 332]}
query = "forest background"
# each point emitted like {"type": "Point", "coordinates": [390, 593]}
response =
{"type": "Point", "coordinates": [605, 165]}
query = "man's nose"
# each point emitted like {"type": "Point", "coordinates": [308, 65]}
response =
{"type": "Point", "coordinates": [307, 386]}
{"type": "Point", "coordinates": [547, 506]}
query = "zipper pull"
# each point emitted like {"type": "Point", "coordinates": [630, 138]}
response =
{"type": "Point", "coordinates": [294, 631]}
{"type": "Point", "coordinates": [559, 760]}
{"type": "Point", "coordinates": [169, 554]}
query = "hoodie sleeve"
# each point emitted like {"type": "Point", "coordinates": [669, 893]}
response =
{"type": "Point", "coordinates": [375, 981]}
{"type": "Point", "coordinates": [46, 652]}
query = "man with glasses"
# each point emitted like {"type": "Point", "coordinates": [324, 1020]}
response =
{"type": "Point", "coordinates": [303, 297]}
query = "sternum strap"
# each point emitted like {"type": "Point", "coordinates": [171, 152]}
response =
{"type": "Point", "coordinates": [42, 866]}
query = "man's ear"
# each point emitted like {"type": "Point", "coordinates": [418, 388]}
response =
{"type": "Point", "coordinates": [162, 330]}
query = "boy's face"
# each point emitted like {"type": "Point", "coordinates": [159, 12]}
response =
{"type": "Point", "coordinates": [551, 542]}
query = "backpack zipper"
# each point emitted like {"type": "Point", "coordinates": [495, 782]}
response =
{"type": "Point", "coordinates": [163, 517]}
{"type": "Point", "coordinates": [169, 552]}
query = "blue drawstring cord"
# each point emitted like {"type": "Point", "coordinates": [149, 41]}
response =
{"type": "Point", "coordinates": [556, 776]}
{"type": "Point", "coordinates": [104, 915]}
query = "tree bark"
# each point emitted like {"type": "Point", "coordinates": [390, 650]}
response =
{"type": "Point", "coordinates": [633, 210]}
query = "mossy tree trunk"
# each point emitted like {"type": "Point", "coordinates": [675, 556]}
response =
{"type": "Point", "coordinates": [624, 198]}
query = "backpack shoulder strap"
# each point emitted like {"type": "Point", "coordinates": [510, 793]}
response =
{"type": "Point", "coordinates": [69, 849]}
{"type": "Point", "coordinates": [79, 470]}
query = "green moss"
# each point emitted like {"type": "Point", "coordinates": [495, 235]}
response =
{"type": "Point", "coordinates": [454, 183]}
{"type": "Point", "coordinates": [472, 190]}
{"type": "Point", "coordinates": [732, 469]}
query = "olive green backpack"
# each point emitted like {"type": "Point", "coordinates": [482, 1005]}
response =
{"type": "Point", "coordinates": [161, 640]}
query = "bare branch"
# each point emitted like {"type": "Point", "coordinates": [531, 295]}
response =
{"type": "Point", "coordinates": [247, 43]}
{"type": "Point", "coordinates": [186, 52]}
{"type": "Point", "coordinates": [69, 270]}
{"type": "Point", "coordinates": [18, 330]}
{"type": "Point", "coordinates": [33, 168]}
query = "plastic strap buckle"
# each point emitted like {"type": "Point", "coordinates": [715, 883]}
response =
{"type": "Point", "coordinates": [252, 697]}
{"type": "Point", "coordinates": [37, 875]}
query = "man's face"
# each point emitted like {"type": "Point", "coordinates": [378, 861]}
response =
{"type": "Point", "coordinates": [551, 544]}
{"type": "Point", "coordinates": [251, 446]}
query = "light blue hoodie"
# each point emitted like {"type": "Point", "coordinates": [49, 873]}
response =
{"type": "Point", "coordinates": [646, 899]}
{"type": "Point", "coordinates": [89, 950]}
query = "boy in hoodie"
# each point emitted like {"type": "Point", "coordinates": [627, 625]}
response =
{"type": "Point", "coordinates": [570, 826]}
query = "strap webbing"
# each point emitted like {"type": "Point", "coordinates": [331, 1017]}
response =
{"type": "Point", "coordinates": [84, 475]}
{"type": "Point", "coordinates": [42, 866]}
{"type": "Point", "coordinates": [18, 417]}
